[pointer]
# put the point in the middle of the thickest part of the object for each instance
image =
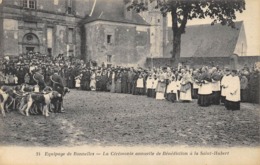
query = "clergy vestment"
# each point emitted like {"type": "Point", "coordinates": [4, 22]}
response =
{"type": "Point", "coordinates": [233, 93]}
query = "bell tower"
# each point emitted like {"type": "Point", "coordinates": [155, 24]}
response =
{"type": "Point", "coordinates": [158, 29]}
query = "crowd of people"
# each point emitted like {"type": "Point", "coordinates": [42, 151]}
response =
{"type": "Point", "coordinates": [210, 85]}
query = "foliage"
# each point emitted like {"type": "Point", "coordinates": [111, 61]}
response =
{"type": "Point", "coordinates": [220, 11]}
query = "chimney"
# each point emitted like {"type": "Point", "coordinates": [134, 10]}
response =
{"type": "Point", "coordinates": [128, 14]}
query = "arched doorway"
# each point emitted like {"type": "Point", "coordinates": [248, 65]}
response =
{"type": "Point", "coordinates": [30, 43]}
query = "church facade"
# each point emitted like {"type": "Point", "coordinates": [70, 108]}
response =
{"type": "Point", "coordinates": [48, 27]}
{"type": "Point", "coordinates": [88, 29]}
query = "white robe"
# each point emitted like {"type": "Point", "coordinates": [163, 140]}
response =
{"type": "Point", "coordinates": [233, 90]}
{"type": "Point", "coordinates": [224, 84]}
{"type": "Point", "coordinates": [140, 83]}
{"type": "Point", "coordinates": [186, 96]}
{"type": "Point", "coordinates": [205, 88]}
{"type": "Point", "coordinates": [155, 83]}
{"type": "Point", "coordinates": [195, 85]}
{"type": "Point", "coordinates": [215, 85]}
{"type": "Point", "coordinates": [172, 87]}
{"type": "Point", "coordinates": [149, 83]}
{"type": "Point", "coordinates": [77, 84]}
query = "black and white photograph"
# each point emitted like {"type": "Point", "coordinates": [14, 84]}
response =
{"type": "Point", "coordinates": [119, 81]}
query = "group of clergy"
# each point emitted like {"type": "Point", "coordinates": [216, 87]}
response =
{"type": "Point", "coordinates": [209, 85]}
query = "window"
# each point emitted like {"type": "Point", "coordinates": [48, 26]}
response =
{"type": "Point", "coordinates": [49, 37]}
{"type": "Point", "coordinates": [158, 20]}
{"type": "Point", "coordinates": [71, 53]}
{"type": "Point", "coordinates": [109, 39]}
{"type": "Point", "coordinates": [69, 7]}
{"type": "Point", "coordinates": [69, 10]}
{"type": "Point", "coordinates": [31, 4]}
{"type": "Point", "coordinates": [56, 2]}
{"type": "Point", "coordinates": [70, 3]}
{"type": "Point", "coordinates": [109, 57]}
{"type": "Point", "coordinates": [50, 51]}
{"type": "Point", "coordinates": [70, 36]}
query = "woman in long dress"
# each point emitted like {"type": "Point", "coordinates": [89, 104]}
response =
{"type": "Point", "coordinates": [113, 83]}
{"type": "Point", "coordinates": [118, 82]}
{"type": "Point", "coordinates": [93, 81]}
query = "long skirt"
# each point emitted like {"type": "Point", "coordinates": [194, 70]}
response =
{"type": "Point", "coordinates": [171, 97]}
{"type": "Point", "coordinates": [231, 105]}
{"type": "Point", "coordinates": [204, 100]}
{"type": "Point", "coordinates": [109, 86]}
{"type": "Point", "coordinates": [118, 87]}
{"type": "Point", "coordinates": [129, 87]}
{"type": "Point", "coordinates": [113, 87]}
{"type": "Point", "coordinates": [195, 93]}
{"type": "Point", "coordinates": [244, 95]}
{"type": "Point", "coordinates": [223, 99]}
{"type": "Point", "coordinates": [160, 96]}
{"type": "Point", "coordinates": [149, 92]}
{"type": "Point", "coordinates": [93, 85]}
{"type": "Point", "coordinates": [139, 91]}
{"type": "Point", "coordinates": [85, 85]}
{"type": "Point", "coordinates": [98, 85]}
{"type": "Point", "coordinates": [215, 98]}
{"type": "Point", "coordinates": [153, 93]}
{"type": "Point", "coordinates": [124, 87]}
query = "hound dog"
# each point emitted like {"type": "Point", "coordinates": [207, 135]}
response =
{"type": "Point", "coordinates": [43, 99]}
{"type": "Point", "coordinates": [3, 98]}
{"type": "Point", "coordinates": [58, 102]}
{"type": "Point", "coordinates": [10, 93]}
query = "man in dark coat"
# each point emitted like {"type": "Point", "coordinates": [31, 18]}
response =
{"type": "Point", "coordinates": [124, 81]}
{"type": "Point", "coordinates": [39, 79]}
{"type": "Point", "coordinates": [130, 81]}
{"type": "Point", "coordinates": [58, 85]}
{"type": "Point", "coordinates": [253, 84]}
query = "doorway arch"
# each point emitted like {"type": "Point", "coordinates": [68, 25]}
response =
{"type": "Point", "coordinates": [30, 43]}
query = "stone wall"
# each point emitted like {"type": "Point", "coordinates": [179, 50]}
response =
{"type": "Point", "coordinates": [10, 37]}
{"type": "Point", "coordinates": [18, 22]}
{"type": "Point", "coordinates": [80, 7]}
{"type": "Point", "coordinates": [127, 44]}
{"type": "Point", "coordinates": [198, 62]}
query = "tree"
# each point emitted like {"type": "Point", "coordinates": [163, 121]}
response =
{"type": "Point", "coordinates": [220, 11]}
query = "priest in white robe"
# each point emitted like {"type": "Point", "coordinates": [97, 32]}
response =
{"type": "Point", "coordinates": [233, 92]}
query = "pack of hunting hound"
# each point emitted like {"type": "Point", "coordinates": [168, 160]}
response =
{"type": "Point", "coordinates": [24, 99]}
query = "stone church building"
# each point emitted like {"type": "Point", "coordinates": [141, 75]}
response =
{"type": "Point", "coordinates": [89, 29]}
{"type": "Point", "coordinates": [100, 30]}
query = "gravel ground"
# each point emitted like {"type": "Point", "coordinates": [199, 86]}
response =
{"type": "Point", "coordinates": [105, 119]}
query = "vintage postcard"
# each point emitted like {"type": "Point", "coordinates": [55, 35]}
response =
{"type": "Point", "coordinates": [97, 82]}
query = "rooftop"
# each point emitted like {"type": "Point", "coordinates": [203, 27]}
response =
{"type": "Point", "coordinates": [113, 11]}
{"type": "Point", "coordinates": [207, 40]}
